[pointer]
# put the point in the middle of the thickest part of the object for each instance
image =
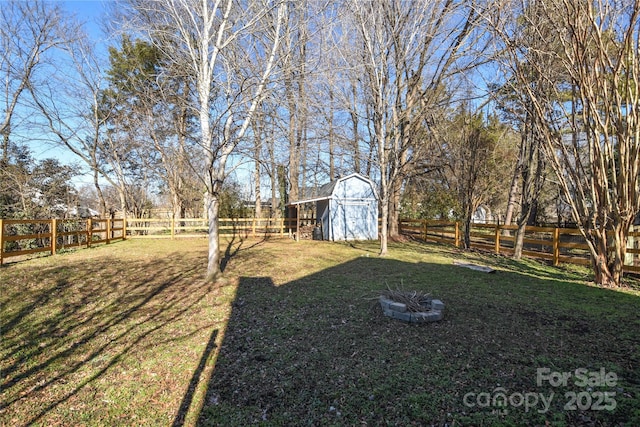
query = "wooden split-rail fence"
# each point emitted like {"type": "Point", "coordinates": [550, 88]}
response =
{"type": "Point", "coordinates": [555, 244]}
{"type": "Point", "coordinates": [26, 237]}
{"type": "Point", "coordinates": [159, 228]}
{"type": "Point", "coordinates": [23, 238]}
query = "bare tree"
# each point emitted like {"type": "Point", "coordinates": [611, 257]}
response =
{"type": "Point", "coordinates": [258, 137]}
{"type": "Point", "coordinates": [408, 49]}
{"type": "Point", "coordinates": [212, 39]}
{"type": "Point", "coordinates": [590, 113]}
{"type": "Point", "coordinates": [28, 31]}
{"type": "Point", "coordinates": [70, 102]}
{"type": "Point", "coordinates": [293, 67]}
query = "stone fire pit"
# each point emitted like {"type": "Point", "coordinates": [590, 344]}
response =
{"type": "Point", "coordinates": [411, 307]}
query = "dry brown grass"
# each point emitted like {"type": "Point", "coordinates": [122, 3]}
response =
{"type": "Point", "coordinates": [415, 301]}
{"type": "Point", "coordinates": [130, 334]}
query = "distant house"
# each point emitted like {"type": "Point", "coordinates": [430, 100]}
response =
{"type": "Point", "coordinates": [346, 209]}
{"type": "Point", "coordinates": [83, 212]}
{"type": "Point", "coordinates": [482, 215]}
{"type": "Point", "coordinates": [64, 211]}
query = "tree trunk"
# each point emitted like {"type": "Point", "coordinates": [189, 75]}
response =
{"type": "Point", "coordinates": [354, 122]}
{"type": "Point", "coordinates": [122, 192]}
{"type": "Point", "coordinates": [273, 175]}
{"type": "Point", "coordinates": [607, 265]}
{"type": "Point", "coordinates": [258, 209]}
{"type": "Point", "coordinates": [523, 221]}
{"type": "Point", "coordinates": [620, 236]}
{"type": "Point", "coordinates": [396, 193]}
{"type": "Point", "coordinates": [180, 202]}
{"type": "Point", "coordinates": [370, 160]}
{"type": "Point", "coordinates": [531, 166]}
{"type": "Point", "coordinates": [519, 243]}
{"type": "Point", "coordinates": [513, 197]}
{"type": "Point", "coordinates": [466, 226]}
{"type": "Point", "coordinates": [383, 159]}
{"type": "Point", "coordinates": [256, 156]}
{"type": "Point", "coordinates": [282, 186]}
{"type": "Point", "coordinates": [103, 203]}
{"type": "Point", "coordinates": [303, 152]}
{"type": "Point", "coordinates": [394, 208]}
{"type": "Point", "coordinates": [332, 162]}
{"type": "Point", "coordinates": [213, 265]}
{"type": "Point", "coordinates": [602, 275]}
{"type": "Point", "coordinates": [384, 182]}
{"type": "Point", "coordinates": [384, 223]}
{"type": "Point", "coordinates": [294, 154]}
{"type": "Point", "coordinates": [178, 209]}
{"type": "Point", "coordinates": [533, 215]}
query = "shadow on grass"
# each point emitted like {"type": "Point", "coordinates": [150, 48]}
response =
{"type": "Point", "coordinates": [318, 351]}
{"type": "Point", "coordinates": [235, 245]}
{"type": "Point", "coordinates": [189, 395]}
{"type": "Point", "coordinates": [529, 266]}
{"type": "Point", "coordinates": [63, 334]}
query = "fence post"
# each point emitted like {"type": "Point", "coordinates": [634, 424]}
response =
{"type": "Point", "coordinates": [556, 246]}
{"type": "Point", "coordinates": [457, 235]}
{"type": "Point", "coordinates": [124, 227]}
{"type": "Point", "coordinates": [497, 240]}
{"type": "Point", "coordinates": [173, 227]}
{"type": "Point", "coordinates": [54, 235]}
{"type": "Point", "coordinates": [1, 240]}
{"type": "Point", "coordinates": [109, 220]}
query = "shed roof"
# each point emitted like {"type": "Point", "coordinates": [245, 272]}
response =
{"type": "Point", "coordinates": [326, 191]}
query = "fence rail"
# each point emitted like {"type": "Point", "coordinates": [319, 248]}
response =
{"type": "Point", "coordinates": [199, 227]}
{"type": "Point", "coordinates": [558, 245]}
{"type": "Point", "coordinates": [20, 237]}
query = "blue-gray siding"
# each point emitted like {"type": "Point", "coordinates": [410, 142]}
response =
{"type": "Point", "coordinates": [351, 211]}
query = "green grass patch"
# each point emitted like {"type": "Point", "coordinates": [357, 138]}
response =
{"type": "Point", "coordinates": [130, 334]}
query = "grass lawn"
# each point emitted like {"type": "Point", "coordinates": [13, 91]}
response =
{"type": "Point", "coordinates": [130, 334]}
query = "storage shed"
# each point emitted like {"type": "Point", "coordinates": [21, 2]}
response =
{"type": "Point", "coordinates": [346, 209]}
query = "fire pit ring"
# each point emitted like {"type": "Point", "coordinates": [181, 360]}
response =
{"type": "Point", "coordinates": [433, 310]}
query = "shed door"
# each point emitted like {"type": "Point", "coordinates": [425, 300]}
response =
{"type": "Point", "coordinates": [356, 216]}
